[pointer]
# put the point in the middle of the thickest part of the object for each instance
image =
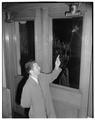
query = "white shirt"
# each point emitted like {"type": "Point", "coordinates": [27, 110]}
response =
{"type": "Point", "coordinates": [35, 79]}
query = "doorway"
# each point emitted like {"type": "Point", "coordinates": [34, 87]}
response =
{"type": "Point", "coordinates": [27, 49]}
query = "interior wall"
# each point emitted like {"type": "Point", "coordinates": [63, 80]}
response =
{"type": "Point", "coordinates": [4, 71]}
{"type": "Point", "coordinates": [90, 96]}
{"type": "Point", "coordinates": [86, 54]}
{"type": "Point", "coordinates": [10, 64]}
{"type": "Point", "coordinates": [43, 44]}
{"type": "Point", "coordinates": [66, 101]}
{"type": "Point", "coordinates": [6, 105]}
{"type": "Point", "coordinates": [65, 110]}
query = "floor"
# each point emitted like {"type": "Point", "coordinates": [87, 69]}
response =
{"type": "Point", "coordinates": [17, 115]}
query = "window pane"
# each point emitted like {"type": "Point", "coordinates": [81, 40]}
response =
{"type": "Point", "coordinates": [67, 35]}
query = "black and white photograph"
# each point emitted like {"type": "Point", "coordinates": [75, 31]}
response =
{"type": "Point", "coordinates": [47, 59]}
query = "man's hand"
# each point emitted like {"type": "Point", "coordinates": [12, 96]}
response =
{"type": "Point", "coordinates": [57, 62]}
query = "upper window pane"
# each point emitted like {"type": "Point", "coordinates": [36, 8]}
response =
{"type": "Point", "coordinates": [67, 35]}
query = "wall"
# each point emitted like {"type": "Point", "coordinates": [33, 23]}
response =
{"type": "Point", "coordinates": [4, 73]}
{"type": "Point", "coordinates": [86, 54]}
{"type": "Point", "coordinates": [66, 101]}
{"type": "Point", "coordinates": [3, 59]}
{"type": "Point", "coordinates": [65, 110]}
{"type": "Point", "coordinates": [90, 96]}
{"type": "Point", "coordinates": [6, 105]}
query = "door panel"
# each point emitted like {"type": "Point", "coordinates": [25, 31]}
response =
{"type": "Point", "coordinates": [65, 110]}
{"type": "Point", "coordinates": [10, 57]}
{"type": "Point", "coordinates": [66, 101]}
{"type": "Point", "coordinates": [62, 97]}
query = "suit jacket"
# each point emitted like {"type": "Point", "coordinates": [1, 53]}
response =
{"type": "Point", "coordinates": [37, 97]}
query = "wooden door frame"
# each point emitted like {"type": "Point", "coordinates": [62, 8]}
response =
{"type": "Point", "coordinates": [86, 54]}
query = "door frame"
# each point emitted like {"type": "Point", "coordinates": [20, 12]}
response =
{"type": "Point", "coordinates": [79, 97]}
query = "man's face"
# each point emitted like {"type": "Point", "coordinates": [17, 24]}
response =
{"type": "Point", "coordinates": [36, 68]}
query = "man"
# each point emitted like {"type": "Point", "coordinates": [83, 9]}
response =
{"type": "Point", "coordinates": [36, 93]}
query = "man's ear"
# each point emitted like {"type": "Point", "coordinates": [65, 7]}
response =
{"type": "Point", "coordinates": [31, 71]}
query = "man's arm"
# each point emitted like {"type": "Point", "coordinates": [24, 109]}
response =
{"type": "Point", "coordinates": [25, 98]}
{"type": "Point", "coordinates": [52, 76]}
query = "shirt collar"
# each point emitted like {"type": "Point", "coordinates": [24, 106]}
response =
{"type": "Point", "coordinates": [35, 79]}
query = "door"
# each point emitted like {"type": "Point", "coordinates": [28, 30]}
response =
{"type": "Point", "coordinates": [71, 102]}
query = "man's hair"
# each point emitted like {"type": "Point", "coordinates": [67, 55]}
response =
{"type": "Point", "coordinates": [29, 65]}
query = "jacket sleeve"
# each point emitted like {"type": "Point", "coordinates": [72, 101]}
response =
{"type": "Point", "coordinates": [52, 76]}
{"type": "Point", "coordinates": [26, 98]}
